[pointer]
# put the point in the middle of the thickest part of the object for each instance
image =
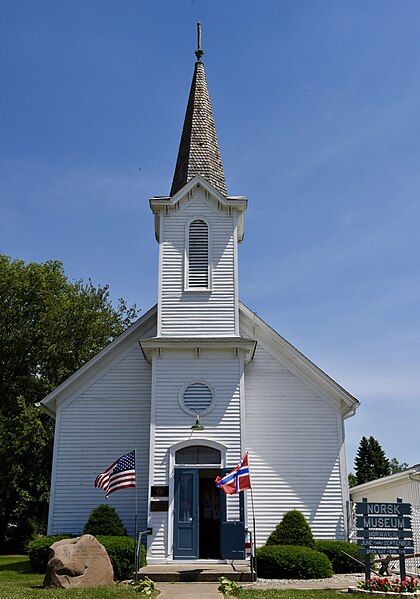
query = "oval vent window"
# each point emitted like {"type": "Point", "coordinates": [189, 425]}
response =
{"type": "Point", "coordinates": [197, 398]}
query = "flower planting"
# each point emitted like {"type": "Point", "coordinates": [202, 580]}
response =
{"type": "Point", "coordinates": [391, 585]}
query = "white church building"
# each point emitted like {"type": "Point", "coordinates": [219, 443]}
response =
{"type": "Point", "coordinates": [200, 351]}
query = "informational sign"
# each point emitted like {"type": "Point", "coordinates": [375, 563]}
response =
{"type": "Point", "coordinates": [159, 491]}
{"type": "Point", "coordinates": [383, 509]}
{"type": "Point", "coordinates": [394, 522]}
{"type": "Point", "coordinates": [159, 506]}
{"type": "Point", "coordinates": [384, 529]}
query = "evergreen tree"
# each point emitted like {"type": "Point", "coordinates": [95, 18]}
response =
{"type": "Point", "coordinates": [352, 480]}
{"type": "Point", "coordinates": [371, 462]}
{"type": "Point", "coordinates": [397, 466]}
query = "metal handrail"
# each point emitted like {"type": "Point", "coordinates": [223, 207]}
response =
{"type": "Point", "coordinates": [137, 555]}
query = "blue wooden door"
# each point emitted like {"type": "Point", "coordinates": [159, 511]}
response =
{"type": "Point", "coordinates": [232, 532]}
{"type": "Point", "coordinates": [186, 513]}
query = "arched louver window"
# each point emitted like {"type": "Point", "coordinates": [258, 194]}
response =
{"type": "Point", "coordinates": [198, 254]}
{"type": "Point", "coordinates": [197, 398]}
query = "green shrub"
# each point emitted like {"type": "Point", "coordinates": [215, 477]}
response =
{"type": "Point", "coordinates": [292, 530]}
{"type": "Point", "coordinates": [336, 550]}
{"type": "Point", "coordinates": [104, 520]}
{"type": "Point", "coordinates": [120, 550]}
{"type": "Point", "coordinates": [289, 561]}
{"type": "Point", "coordinates": [39, 550]}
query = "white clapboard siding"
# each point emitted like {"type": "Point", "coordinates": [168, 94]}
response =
{"type": "Point", "coordinates": [172, 424]}
{"type": "Point", "coordinates": [197, 313]}
{"type": "Point", "coordinates": [108, 419]}
{"type": "Point", "coordinates": [399, 486]}
{"type": "Point", "coordinates": [292, 434]}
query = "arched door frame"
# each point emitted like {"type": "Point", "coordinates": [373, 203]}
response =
{"type": "Point", "coordinates": [172, 451]}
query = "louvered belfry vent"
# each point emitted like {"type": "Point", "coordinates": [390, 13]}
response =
{"type": "Point", "coordinates": [198, 254]}
{"type": "Point", "coordinates": [197, 398]}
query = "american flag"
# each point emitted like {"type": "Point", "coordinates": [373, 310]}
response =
{"type": "Point", "coordinates": [120, 475]}
{"type": "Point", "coordinates": [236, 480]}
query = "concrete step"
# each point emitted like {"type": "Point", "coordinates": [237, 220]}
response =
{"type": "Point", "coordinates": [196, 572]}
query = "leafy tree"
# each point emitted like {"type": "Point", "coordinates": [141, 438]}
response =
{"type": "Point", "coordinates": [104, 520]}
{"type": "Point", "coordinates": [371, 462]}
{"type": "Point", "coordinates": [49, 327]}
{"type": "Point", "coordinates": [292, 530]}
{"type": "Point", "coordinates": [352, 480]}
{"type": "Point", "coordinates": [396, 466]}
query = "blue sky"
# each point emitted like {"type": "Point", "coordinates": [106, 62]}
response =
{"type": "Point", "coordinates": [317, 106]}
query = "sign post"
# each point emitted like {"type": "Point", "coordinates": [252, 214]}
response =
{"type": "Point", "coordinates": [384, 528]}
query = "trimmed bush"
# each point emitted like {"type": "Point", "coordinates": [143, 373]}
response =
{"type": "Point", "coordinates": [120, 550]}
{"type": "Point", "coordinates": [289, 561]}
{"type": "Point", "coordinates": [104, 520]}
{"type": "Point", "coordinates": [341, 563]}
{"type": "Point", "coordinates": [39, 550]}
{"type": "Point", "coordinates": [292, 530]}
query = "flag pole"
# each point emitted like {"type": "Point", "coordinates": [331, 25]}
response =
{"type": "Point", "coordinates": [137, 551]}
{"type": "Point", "coordinates": [254, 534]}
{"type": "Point", "coordinates": [136, 497]}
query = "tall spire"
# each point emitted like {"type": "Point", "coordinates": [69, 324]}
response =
{"type": "Point", "coordinates": [199, 152]}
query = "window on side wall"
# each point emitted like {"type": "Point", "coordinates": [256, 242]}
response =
{"type": "Point", "coordinates": [198, 264]}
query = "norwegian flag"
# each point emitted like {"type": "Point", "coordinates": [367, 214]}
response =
{"type": "Point", "coordinates": [237, 480]}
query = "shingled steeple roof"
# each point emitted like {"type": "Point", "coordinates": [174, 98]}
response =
{"type": "Point", "coordinates": [199, 152]}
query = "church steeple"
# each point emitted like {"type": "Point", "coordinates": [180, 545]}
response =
{"type": "Point", "coordinates": [199, 152]}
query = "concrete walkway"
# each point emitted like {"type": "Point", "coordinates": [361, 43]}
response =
{"type": "Point", "coordinates": [188, 590]}
{"type": "Point", "coordinates": [208, 590]}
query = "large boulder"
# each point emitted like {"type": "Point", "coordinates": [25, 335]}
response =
{"type": "Point", "coordinates": [79, 562]}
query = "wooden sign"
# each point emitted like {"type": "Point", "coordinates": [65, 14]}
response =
{"type": "Point", "coordinates": [384, 528]}
{"type": "Point", "coordinates": [383, 509]}
{"type": "Point", "coordinates": [387, 551]}
{"type": "Point", "coordinates": [383, 522]}
{"type": "Point", "coordinates": [385, 534]}
{"type": "Point", "coordinates": [386, 543]}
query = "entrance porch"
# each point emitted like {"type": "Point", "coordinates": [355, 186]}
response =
{"type": "Point", "coordinates": [197, 571]}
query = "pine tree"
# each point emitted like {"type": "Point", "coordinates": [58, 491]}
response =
{"type": "Point", "coordinates": [371, 462]}
{"type": "Point", "coordinates": [397, 466]}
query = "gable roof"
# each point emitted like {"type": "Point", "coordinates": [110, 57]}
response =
{"type": "Point", "coordinates": [289, 355]}
{"type": "Point", "coordinates": [159, 204]}
{"type": "Point", "coordinates": [297, 362]}
{"type": "Point", "coordinates": [409, 474]}
{"type": "Point", "coordinates": [199, 152]}
{"type": "Point", "coordinates": [107, 355]}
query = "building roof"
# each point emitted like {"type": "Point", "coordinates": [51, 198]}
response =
{"type": "Point", "coordinates": [199, 152]}
{"type": "Point", "coordinates": [390, 480]}
{"type": "Point", "coordinates": [294, 360]}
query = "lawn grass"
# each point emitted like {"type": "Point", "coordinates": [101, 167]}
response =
{"type": "Point", "coordinates": [17, 582]}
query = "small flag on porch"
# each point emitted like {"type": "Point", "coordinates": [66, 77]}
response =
{"type": "Point", "coordinates": [237, 480]}
{"type": "Point", "coordinates": [121, 474]}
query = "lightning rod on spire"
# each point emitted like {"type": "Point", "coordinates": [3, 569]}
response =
{"type": "Point", "coordinates": [199, 52]}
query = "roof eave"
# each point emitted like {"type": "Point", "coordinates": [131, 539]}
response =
{"type": "Point", "coordinates": [49, 403]}
{"type": "Point", "coordinates": [304, 365]}
{"type": "Point", "coordinates": [386, 480]}
{"type": "Point", "coordinates": [153, 344]}
{"type": "Point", "coordinates": [160, 203]}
